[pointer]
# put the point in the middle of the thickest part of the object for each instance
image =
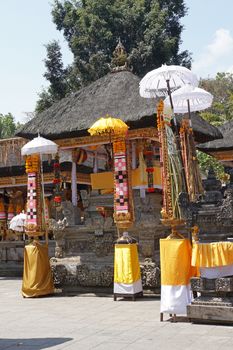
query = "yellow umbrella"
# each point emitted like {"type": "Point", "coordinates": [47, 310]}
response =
{"type": "Point", "coordinates": [108, 125]}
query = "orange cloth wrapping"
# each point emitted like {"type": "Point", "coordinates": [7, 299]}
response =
{"type": "Point", "coordinates": [212, 254]}
{"type": "Point", "coordinates": [175, 260]}
{"type": "Point", "coordinates": [37, 277]}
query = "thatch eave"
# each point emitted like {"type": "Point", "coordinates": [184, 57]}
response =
{"type": "Point", "coordinates": [116, 94]}
{"type": "Point", "coordinates": [203, 131]}
{"type": "Point", "coordinates": [224, 144]}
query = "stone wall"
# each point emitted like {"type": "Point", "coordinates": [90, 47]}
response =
{"type": "Point", "coordinates": [82, 255]}
{"type": "Point", "coordinates": [85, 259]}
{"type": "Point", "coordinates": [11, 257]}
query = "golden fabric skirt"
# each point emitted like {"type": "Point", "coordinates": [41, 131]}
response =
{"type": "Point", "coordinates": [37, 276]}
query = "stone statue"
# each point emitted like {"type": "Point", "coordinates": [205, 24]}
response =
{"type": "Point", "coordinates": [58, 229]}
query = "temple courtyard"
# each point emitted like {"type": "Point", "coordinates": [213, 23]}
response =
{"type": "Point", "coordinates": [90, 322]}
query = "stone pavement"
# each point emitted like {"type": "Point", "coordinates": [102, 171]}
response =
{"type": "Point", "coordinates": [89, 322]}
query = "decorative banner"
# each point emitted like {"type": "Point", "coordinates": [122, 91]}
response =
{"type": "Point", "coordinates": [122, 206]}
{"type": "Point", "coordinates": [2, 210]}
{"type": "Point", "coordinates": [121, 183]}
{"type": "Point", "coordinates": [148, 152]}
{"type": "Point", "coordinates": [47, 216]}
{"type": "Point", "coordinates": [31, 220]}
{"type": "Point", "coordinates": [2, 219]}
{"type": "Point", "coordinates": [57, 181]}
{"type": "Point", "coordinates": [34, 210]}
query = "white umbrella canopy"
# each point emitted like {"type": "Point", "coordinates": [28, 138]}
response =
{"type": "Point", "coordinates": [158, 81]}
{"type": "Point", "coordinates": [189, 99]}
{"type": "Point", "coordinates": [39, 145]}
{"type": "Point", "coordinates": [17, 223]}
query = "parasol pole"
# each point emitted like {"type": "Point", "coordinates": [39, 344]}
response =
{"type": "Point", "coordinates": [169, 93]}
{"type": "Point", "coordinates": [189, 113]}
{"type": "Point", "coordinates": [172, 107]}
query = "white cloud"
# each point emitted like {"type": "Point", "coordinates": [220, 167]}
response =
{"type": "Point", "coordinates": [216, 55]}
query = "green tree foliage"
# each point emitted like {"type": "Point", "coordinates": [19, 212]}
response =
{"type": "Point", "coordinates": [8, 126]}
{"type": "Point", "coordinates": [221, 87]}
{"type": "Point", "coordinates": [55, 72]}
{"type": "Point", "coordinates": [206, 162]}
{"type": "Point", "coordinates": [44, 102]}
{"type": "Point", "coordinates": [56, 75]}
{"type": "Point", "coordinates": [221, 111]}
{"type": "Point", "coordinates": [150, 30]}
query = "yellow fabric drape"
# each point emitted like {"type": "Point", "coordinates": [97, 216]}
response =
{"type": "Point", "coordinates": [212, 254]}
{"type": "Point", "coordinates": [139, 180]}
{"type": "Point", "coordinates": [105, 180]}
{"type": "Point", "coordinates": [37, 277]}
{"type": "Point", "coordinates": [175, 262]}
{"type": "Point", "coordinates": [102, 180]}
{"type": "Point", "coordinates": [126, 264]}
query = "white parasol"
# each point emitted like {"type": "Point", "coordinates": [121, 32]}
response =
{"type": "Point", "coordinates": [189, 99]}
{"type": "Point", "coordinates": [162, 81]}
{"type": "Point", "coordinates": [17, 223]}
{"type": "Point", "coordinates": [39, 145]}
{"type": "Point", "coordinates": [165, 79]}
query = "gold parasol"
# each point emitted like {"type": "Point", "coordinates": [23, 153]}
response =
{"type": "Point", "coordinates": [108, 125]}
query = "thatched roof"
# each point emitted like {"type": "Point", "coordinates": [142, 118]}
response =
{"type": "Point", "coordinates": [226, 143]}
{"type": "Point", "coordinates": [203, 131]}
{"type": "Point", "coordinates": [116, 94]}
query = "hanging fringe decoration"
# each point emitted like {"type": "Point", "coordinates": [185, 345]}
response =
{"type": "Point", "coordinates": [142, 163]}
{"type": "Point", "coordinates": [192, 171]}
{"type": "Point", "coordinates": [172, 179]}
{"type": "Point", "coordinates": [167, 210]}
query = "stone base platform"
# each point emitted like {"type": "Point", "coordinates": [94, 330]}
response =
{"type": "Point", "coordinates": [204, 313]}
{"type": "Point", "coordinates": [215, 303]}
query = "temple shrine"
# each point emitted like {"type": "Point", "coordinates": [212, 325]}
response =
{"type": "Point", "coordinates": [80, 184]}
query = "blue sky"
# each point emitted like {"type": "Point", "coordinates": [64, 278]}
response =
{"type": "Point", "coordinates": [208, 34]}
{"type": "Point", "coordinates": [26, 25]}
